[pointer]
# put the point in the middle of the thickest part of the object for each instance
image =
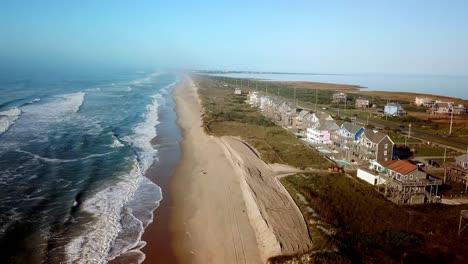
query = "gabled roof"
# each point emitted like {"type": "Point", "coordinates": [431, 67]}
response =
{"type": "Point", "coordinates": [329, 125]}
{"type": "Point", "coordinates": [374, 136]}
{"type": "Point", "coordinates": [351, 127]}
{"type": "Point", "coordinates": [442, 105]}
{"type": "Point", "coordinates": [323, 115]}
{"type": "Point", "coordinates": [401, 166]}
{"type": "Point", "coordinates": [303, 113]}
{"type": "Point", "coordinates": [362, 100]}
{"type": "Point", "coordinates": [417, 174]}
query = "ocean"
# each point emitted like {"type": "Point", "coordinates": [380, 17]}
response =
{"type": "Point", "coordinates": [446, 85]}
{"type": "Point", "coordinates": [74, 151]}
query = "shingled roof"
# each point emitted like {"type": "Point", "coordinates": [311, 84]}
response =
{"type": "Point", "coordinates": [401, 166]}
{"type": "Point", "coordinates": [351, 127]}
{"type": "Point", "coordinates": [329, 125]}
{"type": "Point", "coordinates": [374, 136]}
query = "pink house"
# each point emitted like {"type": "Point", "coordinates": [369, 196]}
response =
{"type": "Point", "coordinates": [321, 132]}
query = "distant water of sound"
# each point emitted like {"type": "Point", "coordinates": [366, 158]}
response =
{"type": "Point", "coordinates": [73, 156]}
{"type": "Point", "coordinates": [453, 86]}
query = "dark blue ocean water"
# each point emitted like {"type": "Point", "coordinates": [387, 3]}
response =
{"type": "Point", "coordinates": [73, 153]}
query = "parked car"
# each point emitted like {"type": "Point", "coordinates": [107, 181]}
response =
{"type": "Point", "coordinates": [421, 164]}
{"type": "Point", "coordinates": [433, 163]}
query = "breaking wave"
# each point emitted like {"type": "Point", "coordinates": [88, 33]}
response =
{"type": "Point", "coordinates": [62, 160]}
{"type": "Point", "coordinates": [7, 118]}
{"type": "Point", "coordinates": [125, 208]}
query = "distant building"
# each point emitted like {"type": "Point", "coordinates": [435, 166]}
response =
{"type": "Point", "coordinates": [339, 98]}
{"type": "Point", "coordinates": [237, 91]}
{"type": "Point", "coordinates": [394, 109]}
{"type": "Point", "coordinates": [441, 108]}
{"type": "Point", "coordinates": [459, 109]}
{"type": "Point", "coordinates": [362, 103]}
{"type": "Point", "coordinates": [424, 101]}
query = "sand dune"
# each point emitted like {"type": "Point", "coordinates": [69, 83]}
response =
{"type": "Point", "coordinates": [278, 222]}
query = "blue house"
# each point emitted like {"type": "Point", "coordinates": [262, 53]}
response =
{"type": "Point", "coordinates": [348, 133]}
{"type": "Point", "coordinates": [393, 109]}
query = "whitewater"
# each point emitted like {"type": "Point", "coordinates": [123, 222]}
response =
{"type": "Point", "coordinates": [73, 168]}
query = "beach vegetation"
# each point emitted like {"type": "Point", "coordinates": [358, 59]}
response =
{"type": "Point", "coordinates": [371, 229]}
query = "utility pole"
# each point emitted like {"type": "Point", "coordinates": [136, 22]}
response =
{"type": "Point", "coordinates": [451, 121]}
{"type": "Point", "coordinates": [345, 101]}
{"type": "Point", "coordinates": [409, 130]}
{"type": "Point", "coordinates": [295, 100]}
{"type": "Point", "coordinates": [466, 176]}
{"type": "Point", "coordinates": [445, 166]}
{"type": "Point", "coordinates": [316, 99]}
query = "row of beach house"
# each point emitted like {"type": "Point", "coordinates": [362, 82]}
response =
{"type": "Point", "coordinates": [438, 107]}
{"type": "Point", "coordinates": [320, 129]}
{"type": "Point", "coordinates": [371, 151]}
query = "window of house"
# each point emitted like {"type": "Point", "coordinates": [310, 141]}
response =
{"type": "Point", "coordinates": [411, 177]}
{"type": "Point", "coordinates": [386, 159]}
{"type": "Point", "coordinates": [386, 146]}
{"type": "Point", "coordinates": [385, 153]}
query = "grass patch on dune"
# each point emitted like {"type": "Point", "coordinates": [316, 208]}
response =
{"type": "Point", "coordinates": [371, 229]}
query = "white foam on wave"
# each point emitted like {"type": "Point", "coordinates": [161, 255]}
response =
{"type": "Point", "coordinates": [35, 100]}
{"type": "Point", "coordinates": [36, 118]}
{"type": "Point", "coordinates": [116, 143]}
{"type": "Point", "coordinates": [112, 219]}
{"type": "Point", "coordinates": [62, 160]}
{"type": "Point", "coordinates": [8, 118]}
{"type": "Point", "coordinates": [97, 89]}
{"type": "Point", "coordinates": [144, 132]}
{"type": "Point", "coordinates": [124, 209]}
{"type": "Point", "coordinates": [146, 80]}
{"type": "Point", "coordinates": [59, 105]}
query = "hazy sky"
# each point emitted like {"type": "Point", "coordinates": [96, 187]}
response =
{"type": "Point", "coordinates": [308, 36]}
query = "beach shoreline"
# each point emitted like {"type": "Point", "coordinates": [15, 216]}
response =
{"type": "Point", "coordinates": [217, 203]}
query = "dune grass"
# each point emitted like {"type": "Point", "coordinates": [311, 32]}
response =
{"type": "Point", "coordinates": [372, 229]}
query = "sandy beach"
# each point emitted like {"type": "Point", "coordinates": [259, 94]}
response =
{"type": "Point", "coordinates": [226, 204]}
{"type": "Point", "coordinates": [208, 219]}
